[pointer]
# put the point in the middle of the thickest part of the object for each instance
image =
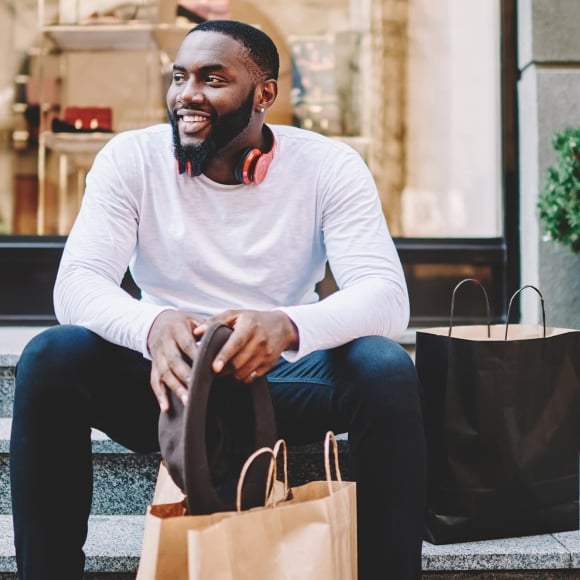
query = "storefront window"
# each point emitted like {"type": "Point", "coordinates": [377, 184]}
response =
{"type": "Point", "coordinates": [453, 133]}
{"type": "Point", "coordinates": [413, 85]}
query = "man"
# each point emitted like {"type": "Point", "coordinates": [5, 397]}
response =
{"type": "Point", "coordinates": [239, 233]}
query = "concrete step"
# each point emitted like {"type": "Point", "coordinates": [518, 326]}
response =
{"type": "Point", "coordinates": [12, 341]}
{"type": "Point", "coordinates": [114, 545]}
{"type": "Point", "coordinates": [123, 481]}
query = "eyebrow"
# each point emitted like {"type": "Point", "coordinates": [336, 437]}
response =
{"type": "Point", "coordinates": [206, 68]}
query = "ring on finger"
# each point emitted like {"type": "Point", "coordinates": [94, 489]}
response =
{"type": "Point", "coordinates": [253, 375]}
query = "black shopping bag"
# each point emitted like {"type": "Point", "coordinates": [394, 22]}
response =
{"type": "Point", "coordinates": [502, 420]}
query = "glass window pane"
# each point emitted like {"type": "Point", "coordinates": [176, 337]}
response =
{"type": "Point", "coordinates": [413, 85]}
{"type": "Point", "coordinates": [453, 178]}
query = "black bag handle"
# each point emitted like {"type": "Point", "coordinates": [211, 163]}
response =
{"type": "Point", "coordinates": [507, 322]}
{"type": "Point", "coordinates": [453, 303]}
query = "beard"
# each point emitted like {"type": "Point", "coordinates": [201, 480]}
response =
{"type": "Point", "coordinates": [225, 128]}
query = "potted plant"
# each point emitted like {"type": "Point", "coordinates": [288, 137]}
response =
{"type": "Point", "coordinates": [559, 201]}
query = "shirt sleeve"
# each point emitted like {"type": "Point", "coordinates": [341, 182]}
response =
{"type": "Point", "coordinates": [372, 296]}
{"type": "Point", "coordinates": [96, 256]}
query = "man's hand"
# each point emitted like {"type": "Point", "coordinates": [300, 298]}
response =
{"type": "Point", "coordinates": [255, 345]}
{"type": "Point", "coordinates": [170, 338]}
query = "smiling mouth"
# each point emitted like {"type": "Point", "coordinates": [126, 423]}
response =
{"type": "Point", "coordinates": [192, 123]}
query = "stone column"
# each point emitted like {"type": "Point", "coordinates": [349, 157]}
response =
{"type": "Point", "coordinates": [549, 100]}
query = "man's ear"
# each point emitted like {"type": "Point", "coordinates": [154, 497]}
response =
{"type": "Point", "coordinates": [266, 94]}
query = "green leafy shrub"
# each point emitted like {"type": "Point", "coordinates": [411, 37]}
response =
{"type": "Point", "coordinates": [559, 200]}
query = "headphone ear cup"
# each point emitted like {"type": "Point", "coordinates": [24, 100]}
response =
{"type": "Point", "coordinates": [261, 166]}
{"type": "Point", "coordinates": [244, 171]}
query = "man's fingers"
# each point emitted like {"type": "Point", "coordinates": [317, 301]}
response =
{"type": "Point", "coordinates": [252, 346]}
{"type": "Point", "coordinates": [168, 380]}
{"type": "Point", "coordinates": [175, 385]}
{"type": "Point", "coordinates": [250, 362]}
{"type": "Point", "coordinates": [173, 348]}
{"type": "Point", "coordinates": [159, 391]}
{"type": "Point", "coordinates": [236, 352]}
{"type": "Point", "coordinates": [181, 392]}
{"type": "Point", "coordinates": [184, 343]}
{"type": "Point", "coordinates": [228, 317]}
{"type": "Point", "coordinates": [258, 372]}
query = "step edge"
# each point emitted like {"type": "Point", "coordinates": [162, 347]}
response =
{"type": "Point", "coordinates": [543, 552]}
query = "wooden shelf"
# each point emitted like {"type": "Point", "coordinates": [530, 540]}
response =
{"type": "Point", "coordinates": [75, 143]}
{"type": "Point", "coordinates": [112, 37]}
{"type": "Point", "coordinates": [148, 36]}
{"type": "Point", "coordinates": [101, 36]}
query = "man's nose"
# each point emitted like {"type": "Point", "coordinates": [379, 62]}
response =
{"type": "Point", "coordinates": [191, 93]}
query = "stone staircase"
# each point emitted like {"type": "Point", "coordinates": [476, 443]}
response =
{"type": "Point", "coordinates": [124, 484]}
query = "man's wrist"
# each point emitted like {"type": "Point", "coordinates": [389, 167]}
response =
{"type": "Point", "coordinates": [293, 336]}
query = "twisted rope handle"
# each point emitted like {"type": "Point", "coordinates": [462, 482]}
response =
{"type": "Point", "coordinates": [272, 472]}
{"type": "Point", "coordinates": [328, 439]}
{"type": "Point", "coordinates": [281, 444]}
{"type": "Point", "coordinates": [272, 476]}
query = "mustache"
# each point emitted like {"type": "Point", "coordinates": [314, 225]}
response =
{"type": "Point", "coordinates": [182, 109]}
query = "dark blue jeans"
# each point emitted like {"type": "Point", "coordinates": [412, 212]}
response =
{"type": "Point", "coordinates": [68, 380]}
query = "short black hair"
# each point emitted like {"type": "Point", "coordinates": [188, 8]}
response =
{"type": "Point", "coordinates": [259, 46]}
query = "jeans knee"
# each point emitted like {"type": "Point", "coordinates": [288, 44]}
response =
{"type": "Point", "coordinates": [51, 357]}
{"type": "Point", "coordinates": [383, 375]}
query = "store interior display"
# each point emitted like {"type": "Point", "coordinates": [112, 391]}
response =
{"type": "Point", "coordinates": [129, 48]}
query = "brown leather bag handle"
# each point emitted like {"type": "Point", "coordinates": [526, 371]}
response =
{"type": "Point", "coordinates": [187, 462]}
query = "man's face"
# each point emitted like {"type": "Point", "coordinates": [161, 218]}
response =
{"type": "Point", "coordinates": [224, 129]}
{"type": "Point", "coordinates": [210, 100]}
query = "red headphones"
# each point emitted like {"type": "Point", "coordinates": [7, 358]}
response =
{"type": "Point", "coordinates": [252, 166]}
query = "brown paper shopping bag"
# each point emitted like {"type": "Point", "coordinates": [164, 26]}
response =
{"type": "Point", "coordinates": [319, 525]}
{"type": "Point", "coordinates": [312, 536]}
{"type": "Point", "coordinates": [164, 546]}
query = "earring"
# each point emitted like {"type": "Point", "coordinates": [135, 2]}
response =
{"type": "Point", "coordinates": [262, 109]}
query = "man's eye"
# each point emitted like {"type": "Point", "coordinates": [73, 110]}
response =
{"type": "Point", "coordinates": [177, 77]}
{"type": "Point", "coordinates": [213, 80]}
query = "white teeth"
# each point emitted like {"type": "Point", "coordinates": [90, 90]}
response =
{"type": "Point", "coordinates": [193, 118]}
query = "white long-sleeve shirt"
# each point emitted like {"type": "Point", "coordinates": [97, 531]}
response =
{"type": "Point", "coordinates": [205, 247]}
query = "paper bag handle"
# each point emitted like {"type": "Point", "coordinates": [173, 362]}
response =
{"type": "Point", "coordinates": [272, 471]}
{"type": "Point", "coordinates": [331, 438]}
{"type": "Point", "coordinates": [507, 322]}
{"type": "Point", "coordinates": [281, 444]}
{"type": "Point", "coordinates": [453, 303]}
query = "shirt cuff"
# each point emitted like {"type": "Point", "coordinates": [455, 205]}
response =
{"type": "Point", "coordinates": [153, 314]}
